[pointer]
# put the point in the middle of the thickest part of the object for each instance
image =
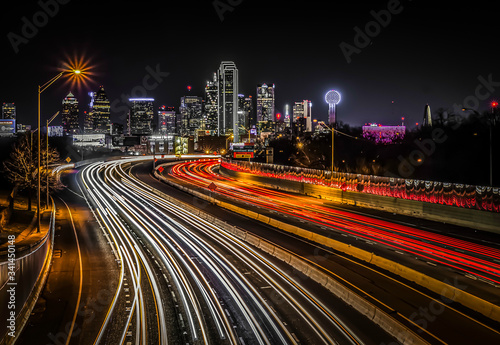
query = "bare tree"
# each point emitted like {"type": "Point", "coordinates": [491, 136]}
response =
{"type": "Point", "coordinates": [21, 168]}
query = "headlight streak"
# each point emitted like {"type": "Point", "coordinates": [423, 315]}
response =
{"type": "Point", "coordinates": [222, 277]}
{"type": "Point", "coordinates": [175, 248]}
{"type": "Point", "coordinates": [122, 272]}
{"type": "Point", "coordinates": [184, 287]}
{"type": "Point", "coordinates": [255, 326]}
{"type": "Point", "coordinates": [179, 277]}
{"type": "Point", "coordinates": [246, 256]}
{"type": "Point", "coordinates": [113, 225]}
{"type": "Point", "coordinates": [117, 194]}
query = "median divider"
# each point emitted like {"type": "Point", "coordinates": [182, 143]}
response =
{"type": "Point", "coordinates": [389, 324]}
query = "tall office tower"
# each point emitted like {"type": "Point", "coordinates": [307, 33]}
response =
{"type": "Point", "coordinates": [265, 103]}
{"type": "Point", "coordinates": [211, 106]}
{"type": "Point", "coordinates": [166, 120]}
{"type": "Point", "coordinates": [100, 108]}
{"type": "Point", "coordinates": [141, 115]}
{"type": "Point", "coordinates": [8, 111]}
{"type": "Point", "coordinates": [88, 121]}
{"type": "Point", "coordinates": [303, 110]}
{"type": "Point", "coordinates": [287, 116]}
{"type": "Point", "coordinates": [427, 116]}
{"type": "Point", "coordinates": [245, 113]}
{"type": "Point", "coordinates": [227, 77]}
{"type": "Point", "coordinates": [191, 111]}
{"type": "Point", "coordinates": [70, 114]}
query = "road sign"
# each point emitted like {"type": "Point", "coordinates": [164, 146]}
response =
{"type": "Point", "coordinates": [160, 169]}
{"type": "Point", "coordinates": [243, 155]}
{"type": "Point", "coordinates": [68, 159]}
{"type": "Point", "coordinates": [212, 186]}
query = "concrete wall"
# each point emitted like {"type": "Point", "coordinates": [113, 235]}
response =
{"type": "Point", "coordinates": [476, 219]}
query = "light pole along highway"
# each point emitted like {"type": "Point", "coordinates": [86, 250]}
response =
{"type": "Point", "coordinates": [42, 88]}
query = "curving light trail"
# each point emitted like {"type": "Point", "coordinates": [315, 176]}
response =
{"type": "Point", "coordinates": [211, 288]}
{"type": "Point", "coordinates": [478, 260]}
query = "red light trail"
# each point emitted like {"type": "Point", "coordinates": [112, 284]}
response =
{"type": "Point", "coordinates": [468, 257]}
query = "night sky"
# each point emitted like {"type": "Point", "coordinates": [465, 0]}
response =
{"type": "Point", "coordinates": [427, 52]}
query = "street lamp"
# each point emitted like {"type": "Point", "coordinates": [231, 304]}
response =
{"type": "Point", "coordinates": [42, 88]}
{"type": "Point", "coordinates": [494, 106]}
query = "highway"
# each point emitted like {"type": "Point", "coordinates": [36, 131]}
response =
{"type": "Point", "coordinates": [433, 317]}
{"type": "Point", "coordinates": [82, 275]}
{"type": "Point", "coordinates": [480, 261]}
{"type": "Point", "coordinates": [185, 280]}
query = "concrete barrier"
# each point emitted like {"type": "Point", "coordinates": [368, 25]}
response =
{"type": "Point", "coordinates": [32, 268]}
{"type": "Point", "coordinates": [471, 218]}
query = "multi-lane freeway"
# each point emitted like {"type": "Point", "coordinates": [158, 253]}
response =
{"type": "Point", "coordinates": [182, 278]}
{"type": "Point", "coordinates": [185, 280]}
{"type": "Point", "coordinates": [478, 260]}
{"type": "Point", "coordinates": [456, 261]}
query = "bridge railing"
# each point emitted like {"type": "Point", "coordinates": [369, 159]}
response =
{"type": "Point", "coordinates": [453, 194]}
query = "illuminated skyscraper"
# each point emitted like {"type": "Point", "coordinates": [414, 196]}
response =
{"type": "Point", "coordinates": [245, 111]}
{"type": "Point", "coordinates": [70, 114]}
{"type": "Point", "coordinates": [227, 77]}
{"type": "Point", "coordinates": [166, 120]}
{"type": "Point", "coordinates": [211, 106]}
{"type": "Point", "coordinates": [8, 111]}
{"type": "Point", "coordinates": [287, 116]}
{"type": "Point", "coordinates": [140, 121]}
{"type": "Point", "coordinates": [265, 103]}
{"type": "Point", "coordinates": [101, 109]}
{"type": "Point", "coordinates": [303, 110]}
{"type": "Point", "coordinates": [191, 110]}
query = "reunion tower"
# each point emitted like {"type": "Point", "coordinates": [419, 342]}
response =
{"type": "Point", "coordinates": [332, 97]}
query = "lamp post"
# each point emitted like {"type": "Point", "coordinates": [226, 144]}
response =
{"type": "Point", "coordinates": [42, 88]}
{"type": "Point", "coordinates": [332, 130]}
{"type": "Point", "coordinates": [47, 153]}
{"type": "Point", "coordinates": [494, 106]}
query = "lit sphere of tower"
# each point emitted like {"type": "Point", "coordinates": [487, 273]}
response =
{"type": "Point", "coordinates": [332, 97]}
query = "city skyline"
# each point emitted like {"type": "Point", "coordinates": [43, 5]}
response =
{"type": "Point", "coordinates": [407, 61]}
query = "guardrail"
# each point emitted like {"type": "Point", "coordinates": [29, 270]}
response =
{"type": "Point", "coordinates": [452, 194]}
{"type": "Point", "coordinates": [18, 295]}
